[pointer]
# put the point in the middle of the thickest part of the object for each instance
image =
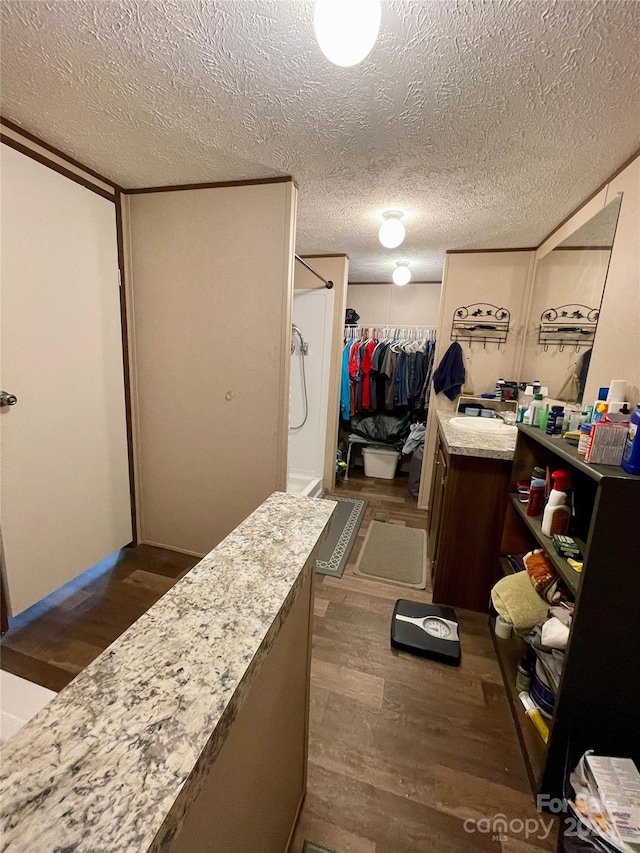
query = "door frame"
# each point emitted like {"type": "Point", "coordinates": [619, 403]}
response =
{"type": "Point", "coordinates": [37, 149]}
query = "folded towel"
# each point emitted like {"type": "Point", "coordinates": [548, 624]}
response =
{"type": "Point", "coordinates": [450, 373]}
{"type": "Point", "coordinates": [515, 599]}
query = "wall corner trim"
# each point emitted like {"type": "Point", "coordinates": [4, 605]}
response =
{"type": "Point", "coordinates": [16, 128]}
{"type": "Point", "coordinates": [487, 251]}
{"type": "Point", "coordinates": [212, 185]}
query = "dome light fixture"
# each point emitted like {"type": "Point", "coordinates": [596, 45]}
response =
{"type": "Point", "coordinates": [347, 29]}
{"type": "Point", "coordinates": [392, 231]}
{"type": "Point", "coordinates": [401, 274]}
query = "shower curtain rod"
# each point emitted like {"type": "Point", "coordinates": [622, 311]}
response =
{"type": "Point", "coordinates": [327, 283]}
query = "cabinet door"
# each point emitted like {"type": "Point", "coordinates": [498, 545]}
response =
{"type": "Point", "coordinates": [439, 486]}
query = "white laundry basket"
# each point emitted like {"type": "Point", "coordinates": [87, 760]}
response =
{"type": "Point", "coordinates": [380, 462]}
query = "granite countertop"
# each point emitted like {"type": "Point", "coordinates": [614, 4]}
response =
{"type": "Point", "coordinates": [462, 442]}
{"type": "Point", "coordinates": [112, 763]}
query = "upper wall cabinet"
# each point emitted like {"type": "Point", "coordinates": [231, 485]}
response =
{"type": "Point", "coordinates": [565, 306]}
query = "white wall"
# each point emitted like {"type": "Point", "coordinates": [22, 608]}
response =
{"type": "Point", "coordinates": [313, 314]}
{"type": "Point", "coordinates": [210, 273]}
{"type": "Point", "coordinates": [500, 278]}
{"type": "Point", "coordinates": [413, 304]}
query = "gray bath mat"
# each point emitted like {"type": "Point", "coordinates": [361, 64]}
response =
{"type": "Point", "coordinates": [394, 554]}
{"type": "Point", "coordinates": [334, 551]}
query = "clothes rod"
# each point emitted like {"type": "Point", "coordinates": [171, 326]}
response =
{"type": "Point", "coordinates": [386, 326]}
{"type": "Point", "coordinates": [327, 283]}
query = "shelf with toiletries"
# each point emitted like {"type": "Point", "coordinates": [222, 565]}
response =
{"type": "Point", "coordinates": [595, 699]}
{"type": "Point", "coordinates": [568, 575]}
{"type": "Point", "coordinates": [561, 448]}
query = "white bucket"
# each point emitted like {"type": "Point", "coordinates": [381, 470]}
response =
{"type": "Point", "coordinates": [380, 462]}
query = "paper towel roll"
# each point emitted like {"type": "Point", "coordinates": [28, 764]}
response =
{"type": "Point", "coordinates": [617, 390]}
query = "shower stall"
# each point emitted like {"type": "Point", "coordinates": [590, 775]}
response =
{"type": "Point", "coordinates": [309, 391]}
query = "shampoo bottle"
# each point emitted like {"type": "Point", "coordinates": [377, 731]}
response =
{"type": "Point", "coordinates": [557, 513]}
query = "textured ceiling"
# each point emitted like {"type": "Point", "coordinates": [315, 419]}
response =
{"type": "Point", "coordinates": [487, 122]}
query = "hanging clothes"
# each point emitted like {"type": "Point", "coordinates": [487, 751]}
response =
{"type": "Point", "coordinates": [366, 365]}
{"type": "Point", "coordinates": [386, 374]}
{"type": "Point", "coordinates": [345, 386]}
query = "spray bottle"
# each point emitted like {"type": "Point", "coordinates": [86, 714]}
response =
{"type": "Point", "coordinates": [557, 513]}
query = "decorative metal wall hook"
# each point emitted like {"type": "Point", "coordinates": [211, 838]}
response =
{"type": "Point", "coordinates": [568, 325]}
{"type": "Point", "coordinates": [482, 322]}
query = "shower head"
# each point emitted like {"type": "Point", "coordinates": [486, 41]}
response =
{"type": "Point", "coordinates": [304, 347]}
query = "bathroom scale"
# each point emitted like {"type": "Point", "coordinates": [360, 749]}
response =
{"type": "Point", "coordinates": [427, 630]}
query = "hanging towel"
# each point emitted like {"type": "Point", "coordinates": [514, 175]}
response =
{"type": "Point", "coordinates": [450, 373]}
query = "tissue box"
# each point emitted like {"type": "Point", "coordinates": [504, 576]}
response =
{"type": "Point", "coordinates": [606, 443]}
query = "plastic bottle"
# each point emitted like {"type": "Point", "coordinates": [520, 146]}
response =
{"type": "Point", "coordinates": [536, 491]}
{"type": "Point", "coordinates": [583, 441]}
{"type": "Point", "coordinates": [555, 420]}
{"type": "Point", "coordinates": [535, 407]}
{"type": "Point", "coordinates": [499, 387]}
{"type": "Point", "coordinates": [631, 456]}
{"type": "Point", "coordinates": [523, 675]}
{"type": "Point", "coordinates": [557, 513]}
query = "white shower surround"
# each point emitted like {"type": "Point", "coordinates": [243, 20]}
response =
{"type": "Point", "coordinates": [312, 313]}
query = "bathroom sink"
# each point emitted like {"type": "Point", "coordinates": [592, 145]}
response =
{"type": "Point", "coordinates": [494, 426]}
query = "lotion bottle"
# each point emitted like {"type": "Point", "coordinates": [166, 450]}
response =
{"type": "Point", "coordinates": [557, 514]}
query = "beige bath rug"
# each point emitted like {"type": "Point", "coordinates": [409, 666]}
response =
{"type": "Point", "coordinates": [394, 554]}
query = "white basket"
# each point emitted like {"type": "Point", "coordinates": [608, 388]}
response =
{"type": "Point", "coordinates": [380, 462]}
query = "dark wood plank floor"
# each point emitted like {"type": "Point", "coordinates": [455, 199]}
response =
{"type": "Point", "coordinates": [402, 750]}
{"type": "Point", "coordinates": [56, 638]}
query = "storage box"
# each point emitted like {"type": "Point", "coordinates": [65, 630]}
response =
{"type": "Point", "coordinates": [380, 462]}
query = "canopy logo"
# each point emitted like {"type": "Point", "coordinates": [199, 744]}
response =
{"type": "Point", "coordinates": [501, 828]}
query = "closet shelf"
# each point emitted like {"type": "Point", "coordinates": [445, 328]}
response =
{"type": "Point", "coordinates": [509, 653]}
{"type": "Point", "coordinates": [568, 575]}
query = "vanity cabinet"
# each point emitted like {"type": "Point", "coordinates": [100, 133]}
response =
{"type": "Point", "coordinates": [468, 500]}
{"type": "Point", "coordinates": [596, 705]}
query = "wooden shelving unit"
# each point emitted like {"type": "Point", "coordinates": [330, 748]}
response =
{"type": "Point", "coordinates": [568, 575]}
{"type": "Point", "coordinates": [534, 749]}
{"type": "Point", "coordinates": [599, 694]}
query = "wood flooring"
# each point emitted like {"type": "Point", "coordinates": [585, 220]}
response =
{"type": "Point", "coordinates": [56, 638]}
{"type": "Point", "coordinates": [402, 750]}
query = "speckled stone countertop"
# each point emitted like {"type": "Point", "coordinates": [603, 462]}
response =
{"type": "Point", "coordinates": [112, 763]}
{"type": "Point", "coordinates": [462, 442]}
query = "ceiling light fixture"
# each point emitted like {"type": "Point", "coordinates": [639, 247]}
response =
{"type": "Point", "coordinates": [347, 29]}
{"type": "Point", "coordinates": [401, 274]}
{"type": "Point", "coordinates": [392, 231]}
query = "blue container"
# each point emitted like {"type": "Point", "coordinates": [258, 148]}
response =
{"type": "Point", "coordinates": [631, 456]}
{"type": "Point", "coordinates": [541, 692]}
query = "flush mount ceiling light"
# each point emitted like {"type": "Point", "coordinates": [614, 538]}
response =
{"type": "Point", "coordinates": [401, 274]}
{"type": "Point", "coordinates": [392, 230]}
{"type": "Point", "coordinates": [347, 29]}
